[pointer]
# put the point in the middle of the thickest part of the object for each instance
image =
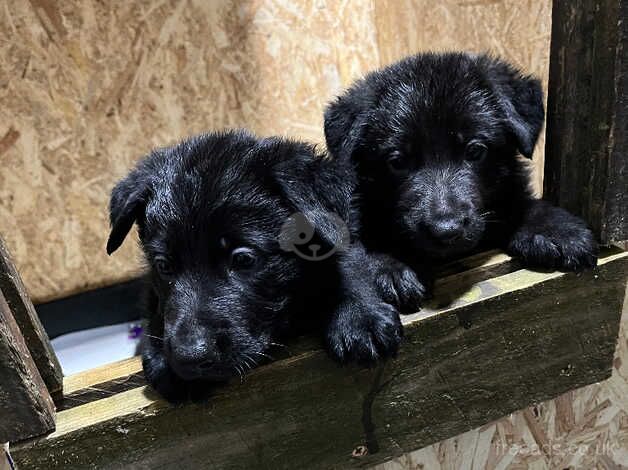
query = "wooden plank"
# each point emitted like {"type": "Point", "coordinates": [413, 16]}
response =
{"type": "Point", "coordinates": [106, 373]}
{"type": "Point", "coordinates": [39, 346]}
{"type": "Point", "coordinates": [101, 382]}
{"type": "Point", "coordinates": [587, 114]}
{"type": "Point", "coordinates": [517, 339]}
{"type": "Point", "coordinates": [486, 260]}
{"type": "Point", "coordinates": [26, 407]}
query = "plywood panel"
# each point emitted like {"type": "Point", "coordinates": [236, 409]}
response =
{"type": "Point", "coordinates": [517, 30]}
{"type": "Point", "coordinates": [88, 87]}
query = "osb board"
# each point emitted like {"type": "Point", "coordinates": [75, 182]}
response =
{"type": "Point", "coordinates": [86, 88]}
{"type": "Point", "coordinates": [586, 428]}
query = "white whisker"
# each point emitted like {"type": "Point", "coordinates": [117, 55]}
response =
{"type": "Point", "coordinates": [268, 356]}
{"type": "Point", "coordinates": [154, 337]}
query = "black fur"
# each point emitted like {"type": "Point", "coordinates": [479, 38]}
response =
{"type": "Point", "coordinates": [215, 216]}
{"type": "Point", "coordinates": [436, 140]}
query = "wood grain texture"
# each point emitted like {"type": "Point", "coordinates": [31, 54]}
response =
{"type": "Point", "coordinates": [26, 408]}
{"type": "Point", "coordinates": [37, 341]}
{"type": "Point", "coordinates": [100, 382]}
{"type": "Point", "coordinates": [459, 368]}
{"type": "Point", "coordinates": [98, 375]}
{"type": "Point", "coordinates": [587, 134]}
{"type": "Point", "coordinates": [88, 87]}
{"type": "Point", "coordinates": [585, 428]}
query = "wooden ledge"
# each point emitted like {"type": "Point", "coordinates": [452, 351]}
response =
{"type": "Point", "coordinates": [85, 381]}
{"type": "Point", "coordinates": [456, 277]}
{"type": "Point", "coordinates": [496, 339]}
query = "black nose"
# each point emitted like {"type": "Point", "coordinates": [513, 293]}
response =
{"type": "Point", "coordinates": [189, 359]}
{"type": "Point", "coordinates": [449, 228]}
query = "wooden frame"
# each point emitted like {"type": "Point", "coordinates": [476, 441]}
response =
{"type": "Point", "coordinates": [26, 407]}
{"type": "Point", "coordinates": [499, 339]}
{"type": "Point", "coordinates": [23, 311]}
{"type": "Point", "coordinates": [504, 339]}
{"type": "Point", "coordinates": [29, 370]}
{"type": "Point", "coordinates": [586, 152]}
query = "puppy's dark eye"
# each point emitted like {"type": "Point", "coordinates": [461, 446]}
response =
{"type": "Point", "coordinates": [163, 266]}
{"type": "Point", "coordinates": [475, 151]}
{"type": "Point", "coordinates": [397, 163]}
{"type": "Point", "coordinates": [242, 258]}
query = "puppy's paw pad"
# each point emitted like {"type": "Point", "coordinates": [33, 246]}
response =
{"type": "Point", "coordinates": [365, 337]}
{"type": "Point", "coordinates": [399, 286]}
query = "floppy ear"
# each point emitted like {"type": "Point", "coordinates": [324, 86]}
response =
{"type": "Point", "coordinates": [521, 98]}
{"type": "Point", "coordinates": [345, 121]}
{"type": "Point", "coordinates": [128, 203]}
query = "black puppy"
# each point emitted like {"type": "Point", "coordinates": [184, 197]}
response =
{"type": "Point", "coordinates": [435, 139]}
{"type": "Point", "coordinates": [246, 240]}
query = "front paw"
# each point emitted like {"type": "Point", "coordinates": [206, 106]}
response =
{"type": "Point", "coordinates": [400, 286]}
{"type": "Point", "coordinates": [565, 248]}
{"type": "Point", "coordinates": [364, 332]}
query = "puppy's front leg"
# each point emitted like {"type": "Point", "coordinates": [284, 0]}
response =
{"type": "Point", "coordinates": [551, 238]}
{"type": "Point", "coordinates": [364, 326]}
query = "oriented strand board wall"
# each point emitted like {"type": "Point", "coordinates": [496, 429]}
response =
{"type": "Point", "coordinates": [88, 87]}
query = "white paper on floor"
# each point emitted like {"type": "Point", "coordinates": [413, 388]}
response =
{"type": "Point", "coordinates": [86, 349]}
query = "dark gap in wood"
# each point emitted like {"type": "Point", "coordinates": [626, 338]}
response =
{"type": "Point", "coordinates": [101, 390]}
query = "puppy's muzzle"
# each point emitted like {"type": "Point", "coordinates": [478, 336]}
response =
{"type": "Point", "coordinates": [189, 361]}
{"type": "Point", "coordinates": [191, 352]}
{"type": "Point", "coordinates": [449, 228]}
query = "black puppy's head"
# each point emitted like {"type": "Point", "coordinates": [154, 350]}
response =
{"type": "Point", "coordinates": [435, 138]}
{"type": "Point", "coordinates": [209, 213]}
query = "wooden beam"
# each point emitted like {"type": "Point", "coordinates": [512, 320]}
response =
{"type": "Point", "coordinates": [101, 382]}
{"type": "Point", "coordinates": [119, 370]}
{"type": "Point", "coordinates": [26, 408]}
{"type": "Point", "coordinates": [586, 153]}
{"type": "Point", "coordinates": [39, 346]}
{"type": "Point", "coordinates": [508, 341]}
